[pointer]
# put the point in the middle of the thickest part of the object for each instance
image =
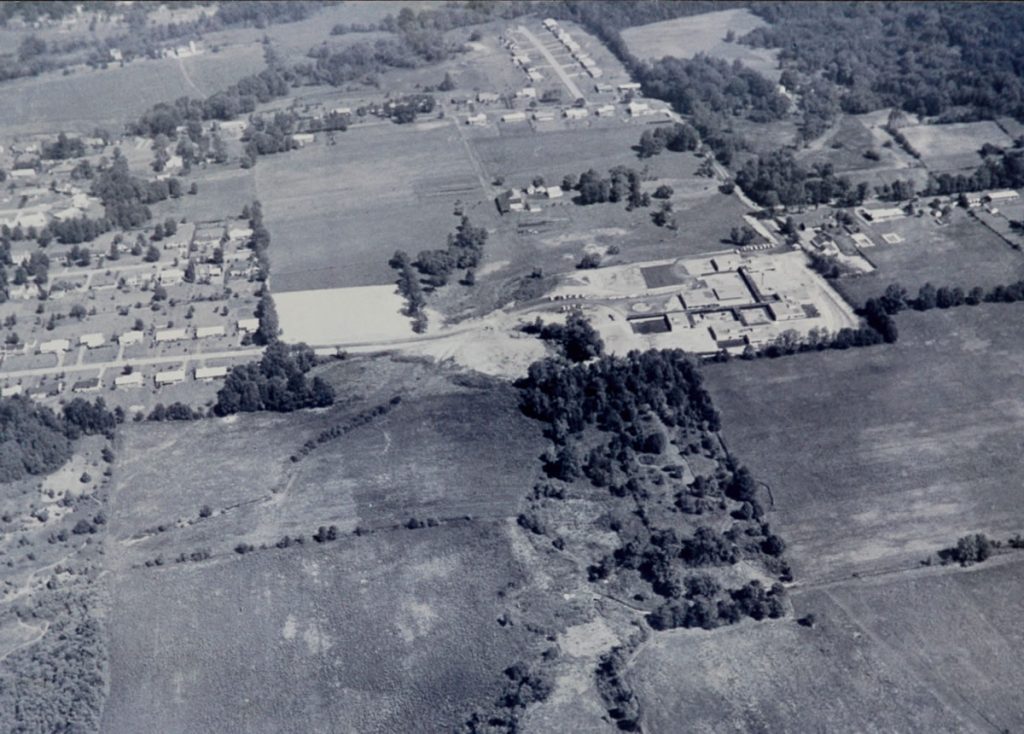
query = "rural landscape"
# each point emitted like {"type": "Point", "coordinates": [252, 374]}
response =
{"type": "Point", "coordinates": [514, 366]}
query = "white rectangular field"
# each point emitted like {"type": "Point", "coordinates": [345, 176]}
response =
{"type": "Point", "coordinates": [338, 316]}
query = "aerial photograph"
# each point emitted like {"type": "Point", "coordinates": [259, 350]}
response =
{"type": "Point", "coordinates": [511, 367]}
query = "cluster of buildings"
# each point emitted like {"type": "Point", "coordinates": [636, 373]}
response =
{"type": "Point", "coordinates": [573, 47]}
{"type": "Point", "coordinates": [526, 200]}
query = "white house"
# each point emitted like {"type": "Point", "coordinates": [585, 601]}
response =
{"type": "Point", "coordinates": [553, 192]}
{"type": "Point", "coordinates": [514, 117]}
{"type": "Point", "coordinates": [638, 109]}
{"type": "Point", "coordinates": [131, 337]}
{"type": "Point", "coordinates": [576, 113]}
{"type": "Point", "coordinates": [9, 391]}
{"type": "Point", "coordinates": [249, 325]}
{"type": "Point", "coordinates": [211, 373]}
{"type": "Point", "coordinates": [132, 380]}
{"type": "Point", "coordinates": [527, 93]}
{"type": "Point", "coordinates": [303, 138]}
{"type": "Point", "coordinates": [478, 119]}
{"type": "Point", "coordinates": [171, 335]}
{"type": "Point", "coordinates": [92, 341]}
{"type": "Point", "coordinates": [55, 346]}
{"type": "Point", "coordinates": [543, 115]}
{"type": "Point", "coordinates": [204, 332]}
{"type": "Point", "coordinates": [169, 377]}
{"type": "Point", "coordinates": [171, 276]}
{"type": "Point", "coordinates": [629, 87]}
{"type": "Point", "coordinates": [1002, 195]}
{"type": "Point", "coordinates": [487, 97]}
{"type": "Point", "coordinates": [605, 110]}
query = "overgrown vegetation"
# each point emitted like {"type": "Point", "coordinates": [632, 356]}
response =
{"type": "Point", "coordinates": [277, 382]}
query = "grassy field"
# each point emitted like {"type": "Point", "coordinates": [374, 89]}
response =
{"type": "Point", "coordinates": [111, 97]}
{"type": "Point", "coordinates": [920, 652]}
{"type": "Point", "coordinates": [705, 33]}
{"type": "Point", "coordinates": [390, 632]}
{"type": "Point", "coordinates": [222, 192]}
{"type": "Point", "coordinates": [337, 213]}
{"type": "Point", "coordinates": [955, 146]}
{"type": "Point", "coordinates": [963, 252]}
{"type": "Point", "coordinates": [844, 145]}
{"type": "Point", "coordinates": [879, 457]}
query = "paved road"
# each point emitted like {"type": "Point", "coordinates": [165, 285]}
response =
{"type": "Point", "coordinates": [140, 362]}
{"type": "Point", "coordinates": [553, 62]}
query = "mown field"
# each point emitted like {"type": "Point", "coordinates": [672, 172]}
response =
{"type": "Point", "coordinates": [337, 213]}
{"type": "Point", "coordinates": [955, 146]}
{"type": "Point", "coordinates": [962, 253]}
{"type": "Point", "coordinates": [705, 33]}
{"type": "Point", "coordinates": [109, 98]}
{"type": "Point", "coordinates": [879, 457]}
{"type": "Point", "coordinates": [918, 652]}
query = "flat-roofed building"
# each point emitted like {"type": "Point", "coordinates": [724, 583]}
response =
{"type": "Point", "coordinates": [133, 379]}
{"type": "Point", "coordinates": [249, 325]}
{"type": "Point", "coordinates": [203, 332]}
{"type": "Point", "coordinates": [92, 341]}
{"type": "Point", "coordinates": [171, 335]}
{"type": "Point", "coordinates": [54, 346]}
{"type": "Point", "coordinates": [170, 377]}
{"type": "Point", "coordinates": [131, 337]}
{"type": "Point", "coordinates": [211, 373]}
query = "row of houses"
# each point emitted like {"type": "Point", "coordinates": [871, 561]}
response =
{"type": "Point", "coordinates": [161, 336]}
{"type": "Point", "coordinates": [574, 49]}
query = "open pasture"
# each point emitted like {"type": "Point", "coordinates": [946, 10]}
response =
{"type": "Point", "coordinates": [954, 146]}
{"type": "Point", "coordinates": [901, 653]}
{"type": "Point", "coordinates": [394, 631]}
{"type": "Point", "coordinates": [844, 144]}
{"type": "Point", "coordinates": [962, 253]}
{"type": "Point", "coordinates": [443, 452]}
{"type": "Point", "coordinates": [879, 457]}
{"type": "Point", "coordinates": [111, 97]}
{"type": "Point", "coordinates": [704, 34]}
{"type": "Point", "coordinates": [337, 212]}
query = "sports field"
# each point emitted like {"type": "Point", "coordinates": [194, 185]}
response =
{"type": "Point", "coordinates": [879, 457]}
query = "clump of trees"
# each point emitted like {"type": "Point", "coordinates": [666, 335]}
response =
{"type": "Point", "coordinates": [410, 289]}
{"type": "Point", "coordinates": [777, 179]}
{"type": "Point", "coordinates": [62, 148]}
{"type": "Point", "coordinates": [32, 439]}
{"type": "Point", "coordinates": [970, 549]}
{"type": "Point", "coordinates": [576, 338]}
{"type": "Point", "coordinates": [278, 382]}
{"type": "Point", "coordinates": [678, 137]}
{"type": "Point", "coordinates": [621, 184]}
{"type": "Point", "coordinates": [464, 251]}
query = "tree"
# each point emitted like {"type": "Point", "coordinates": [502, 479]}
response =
{"type": "Point", "coordinates": [152, 254]}
{"type": "Point", "coordinates": [170, 226]}
{"type": "Point", "coordinates": [266, 312]}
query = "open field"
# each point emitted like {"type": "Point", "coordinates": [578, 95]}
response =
{"type": "Point", "coordinates": [109, 98]}
{"type": "Point", "coordinates": [879, 457]}
{"type": "Point", "coordinates": [337, 213]}
{"type": "Point", "coordinates": [705, 33]}
{"type": "Point", "coordinates": [954, 146]}
{"type": "Point", "coordinates": [387, 631]}
{"type": "Point", "coordinates": [962, 253]}
{"type": "Point", "coordinates": [843, 146]}
{"type": "Point", "coordinates": [343, 315]}
{"type": "Point", "coordinates": [381, 633]}
{"type": "Point", "coordinates": [905, 653]}
{"type": "Point", "coordinates": [443, 452]}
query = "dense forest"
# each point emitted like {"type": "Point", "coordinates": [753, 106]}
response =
{"type": "Point", "coordinates": [961, 61]}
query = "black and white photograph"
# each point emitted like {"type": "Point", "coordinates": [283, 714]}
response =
{"type": "Point", "coordinates": [511, 367]}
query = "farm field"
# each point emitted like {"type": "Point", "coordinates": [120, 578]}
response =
{"type": "Point", "coordinates": [704, 34]}
{"type": "Point", "coordinates": [222, 192]}
{"type": "Point", "coordinates": [843, 146]}
{"type": "Point", "coordinates": [109, 98]}
{"type": "Point", "coordinates": [962, 253]}
{"type": "Point", "coordinates": [888, 654]}
{"type": "Point", "coordinates": [336, 214]}
{"type": "Point", "coordinates": [954, 146]}
{"type": "Point", "coordinates": [880, 457]}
